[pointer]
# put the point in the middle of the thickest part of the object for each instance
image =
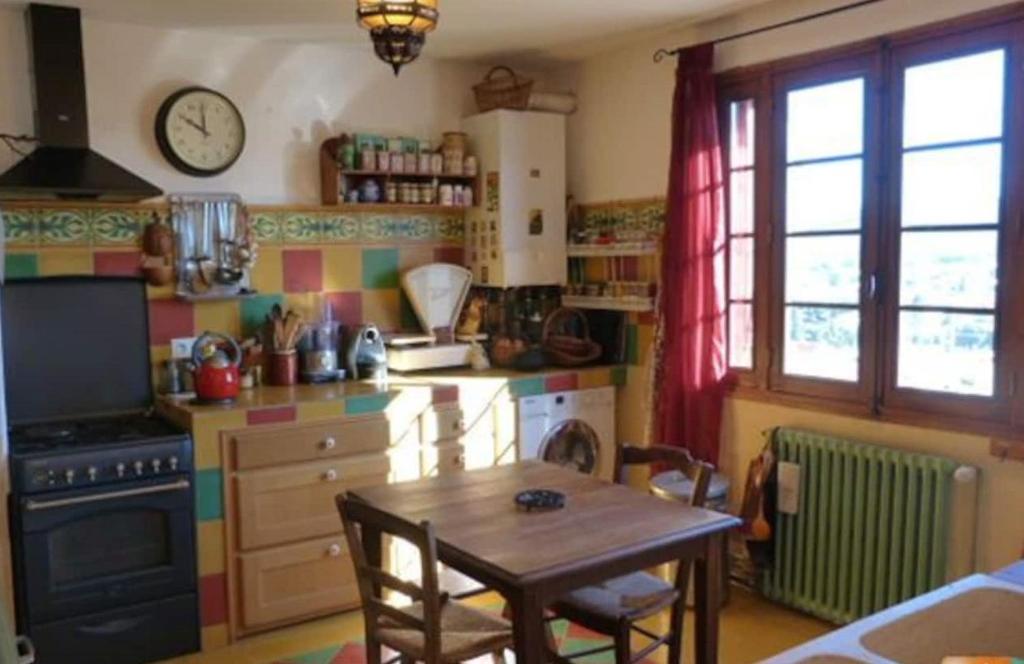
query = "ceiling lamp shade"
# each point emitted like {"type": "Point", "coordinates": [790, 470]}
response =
{"type": "Point", "coordinates": [397, 27]}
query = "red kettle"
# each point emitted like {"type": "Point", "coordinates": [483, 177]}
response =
{"type": "Point", "coordinates": [215, 358]}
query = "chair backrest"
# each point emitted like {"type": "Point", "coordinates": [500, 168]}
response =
{"type": "Point", "coordinates": [676, 458]}
{"type": "Point", "coordinates": [361, 519]}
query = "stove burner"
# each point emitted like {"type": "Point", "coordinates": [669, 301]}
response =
{"type": "Point", "coordinates": [40, 432]}
{"type": "Point", "coordinates": [88, 433]}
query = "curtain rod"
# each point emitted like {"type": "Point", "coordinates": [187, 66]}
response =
{"type": "Point", "coordinates": [662, 53]}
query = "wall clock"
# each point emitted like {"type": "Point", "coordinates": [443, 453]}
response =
{"type": "Point", "coordinates": [200, 131]}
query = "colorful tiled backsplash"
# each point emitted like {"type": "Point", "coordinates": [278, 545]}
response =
{"type": "Point", "coordinates": [354, 258]}
{"type": "Point", "coordinates": [646, 215]}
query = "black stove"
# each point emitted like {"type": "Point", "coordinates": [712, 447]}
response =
{"type": "Point", "coordinates": [95, 452]}
{"type": "Point", "coordinates": [102, 503]}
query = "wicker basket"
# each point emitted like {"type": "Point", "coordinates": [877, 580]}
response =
{"type": "Point", "coordinates": [566, 350]}
{"type": "Point", "coordinates": [508, 91]}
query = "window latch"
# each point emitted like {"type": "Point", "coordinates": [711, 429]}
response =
{"type": "Point", "coordinates": [873, 286]}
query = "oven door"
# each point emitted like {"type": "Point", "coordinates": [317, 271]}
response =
{"type": "Point", "coordinates": [87, 551]}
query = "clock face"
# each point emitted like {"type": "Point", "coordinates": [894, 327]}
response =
{"type": "Point", "coordinates": [200, 131]}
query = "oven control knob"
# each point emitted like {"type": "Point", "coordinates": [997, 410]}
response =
{"type": "Point", "coordinates": [120, 469]}
{"type": "Point", "coordinates": [69, 476]}
{"type": "Point", "coordinates": [138, 467]}
{"type": "Point", "coordinates": [156, 465]}
{"type": "Point", "coordinates": [173, 463]}
{"type": "Point", "coordinates": [91, 472]}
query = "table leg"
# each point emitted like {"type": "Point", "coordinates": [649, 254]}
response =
{"type": "Point", "coordinates": [528, 627]}
{"type": "Point", "coordinates": [708, 578]}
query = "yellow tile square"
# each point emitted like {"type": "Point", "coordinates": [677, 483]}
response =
{"type": "Point", "coordinates": [268, 272]}
{"type": "Point", "coordinates": [414, 255]}
{"type": "Point", "coordinates": [313, 410]}
{"type": "Point", "coordinates": [590, 378]}
{"type": "Point", "coordinates": [206, 436]}
{"type": "Point", "coordinates": [644, 342]}
{"type": "Point", "coordinates": [380, 306]}
{"type": "Point", "coordinates": [54, 262]}
{"type": "Point", "coordinates": [221, 316]}
{"type": "Point", "coordinates": [304, 304]}
{"type": "Point", "coordinates": [343, 268]}
{"type": "Point", "coordinates": [211, 547]}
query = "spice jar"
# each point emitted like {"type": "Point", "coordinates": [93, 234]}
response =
{"type": "Point", "coordinates": [410, 162]}
{"type": "Point", "coordinates": [427, 193]}
{"type": "Point", "coordinates": [469, 166]}
{"type": "Point", "coordinates": [424, 163]}
{"type": "Point", "coordinates": [446, 195]}
{"type": "Point", "coordinates": [368, 160]}
{"type": "Point", "coordinates": [391, 191]}
{"type": "Point", "coordinates": [436, 164]}
{"type": "Point", "coordinates": [383, 162]}
{"type": "Point", "coordinates": [397, 162]}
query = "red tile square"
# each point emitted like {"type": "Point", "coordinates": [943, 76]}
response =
{"type": "Point", "coordinates": [445, 393]}
{"type": "Point", "coordinates": [350, 653]}
{"type": "Point", "coordinates": [117, 263]}
{"type": "Point", "coordinates": [213, 600]}
{"type": "Point", "coordinates": [270, 415]}
{"type": "Point", "coordinates": [169, 319]}
{"type": "Point", "coordinates": [456, 255]}
{"type": "Point", "coordinates": [347, 307]}
{"type": "Point", "coordinates": [303, 270]}
{"type": "Point", "coordinates": [566, 382]}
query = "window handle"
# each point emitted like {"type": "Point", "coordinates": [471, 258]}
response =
{"type": "Point", "coordinates": [873, 287]}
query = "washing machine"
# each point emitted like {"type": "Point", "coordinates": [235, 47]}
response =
{"type": "Point", "coordinates": [574, 429]}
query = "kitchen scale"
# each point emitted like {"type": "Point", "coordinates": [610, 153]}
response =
{"type": "Point", "coordinates": [437, 292]}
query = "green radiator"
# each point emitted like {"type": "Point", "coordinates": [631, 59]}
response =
{"type": "Point", "coordinates": [873, 526]}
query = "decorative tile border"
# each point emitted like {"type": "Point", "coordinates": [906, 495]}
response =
{"type": "Point", "coordinates": [646, 215]}
{"type": "Point", "coordinates": [28, 225]}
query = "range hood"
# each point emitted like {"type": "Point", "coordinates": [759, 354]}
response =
{"type": "Point", "coordinates": [63, 166]}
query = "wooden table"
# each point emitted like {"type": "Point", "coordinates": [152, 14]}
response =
{"type": "Point", "coordinates": [604, 531]}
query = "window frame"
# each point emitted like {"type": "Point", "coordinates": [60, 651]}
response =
{"type": "Point", "coordinates": [882, 62]}
{"type": "Point", "coordinates": [742, 90]}
{"type": "Point", "coordinates": [867, 67]}
{"type": "Point", "coordinates": [904, 56]}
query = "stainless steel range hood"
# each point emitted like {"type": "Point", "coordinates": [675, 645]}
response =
{"type": "Point", "coordinates": [64, 166]}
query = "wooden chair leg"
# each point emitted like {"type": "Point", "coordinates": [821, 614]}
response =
{"type": "Point", "coordinates": [675, 639]}
{"type": "Point", "coordinates": [623, 649]}
{"type": "Point", "coordinates": [373, 653]}
{"type": "Point", "coordinates": [498, 657]}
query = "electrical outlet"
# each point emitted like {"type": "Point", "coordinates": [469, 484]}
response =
{"type": "Point", "coordinates": [181, 348]}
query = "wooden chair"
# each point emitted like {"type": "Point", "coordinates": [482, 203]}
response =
{"type": "Point", "coordinates": [434, 628]}
{"type": "Point", "coordinates": [615, 606]}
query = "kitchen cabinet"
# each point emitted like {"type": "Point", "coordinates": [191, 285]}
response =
{"type": "Point", "coordinates": [269, 446]}
{"type": "Point", "coordinates": [516, 236]}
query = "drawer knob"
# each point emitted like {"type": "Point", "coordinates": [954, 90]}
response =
{"type": "Point", "coordinates": [334, 550]}
{"type": "Point", "coordinates": [460, 461]}
{"type": "Point", "coordinates": [457, 425]}
{"type": "Point", "coordinates": [328, 443]}
{"type": "Point", "coordinates": [330, 475]}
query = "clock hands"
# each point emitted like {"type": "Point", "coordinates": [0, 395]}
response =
{"type": "Point", "coordinates": [201, 128]}
{"type": "Point", "coordinates": [202, 118]}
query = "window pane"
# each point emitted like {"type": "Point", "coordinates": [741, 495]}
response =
{"type": "Point", "coordinates": [822, 343]}
{"type": "Point", "coordinates": [741, 202]}
{"type": "Point", "coordinates": [741, 336]}
{"type": "Point", "coordinates": [741, 268]}
{"type": "Point", "coordinates": [953, 186]}
{"type": "Point", "coordinates": [823, 269]}
{"type": "Point", "coordinates": [825, 121]}
{"type": "Point", "coordinates": [954, 100]}
{"type": "Point", "coordinates": [741, 133]}
{"type": "Point", "coordinates": [947, 352]}
{"type": "Point", "coordinates": [823, 197]}
{"type": "Point", "coordinates": [949, 269]}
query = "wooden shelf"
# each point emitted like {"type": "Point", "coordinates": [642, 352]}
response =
{"type": "Point", "coordinates": [395, 207]}
{"type": "Point", "coordinates": [612, 250]}
{"type": "Point", "coordinates": [608, 303]}
{"type": "Point", "coordinates": [396, 175]}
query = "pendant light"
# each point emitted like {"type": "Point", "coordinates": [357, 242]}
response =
{"type": "Point", "coordinates": [398, 28]}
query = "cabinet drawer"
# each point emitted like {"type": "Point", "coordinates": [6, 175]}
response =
{"type": "Point", "coordinates": [278, 505]}
{"type": "Point", "coordinates": [270, 446]}
{"type": "Point", "coordinates": [443, 459]}
{"type": "Point", "coordinates": [294, 581]}
{"type": "Point", "coordinates": [441, 424]}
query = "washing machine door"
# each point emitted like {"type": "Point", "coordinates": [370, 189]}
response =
{"type": "Point", "coordinates": [573, 444]}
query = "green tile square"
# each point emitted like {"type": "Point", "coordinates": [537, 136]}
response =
{"type": "Point", "coordinates": [380, 268]}
{"type": "Point", "coordinates": [209, 495]}
{"type": "Point", "coordinates": [618, 376]}
{"type": "Point", "coordinates": [526, 387]}
{"type": "Point", "coordinates": [632, 346]}
{"type": "Point", "coordinates": [371, 403]}
{"type": "Point", "coordinates": [19, 266]}
{"type": "Point", "coordinates": [255, 310]}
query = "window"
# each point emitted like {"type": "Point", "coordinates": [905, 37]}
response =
{"type": "Point", "coordinates": [950, 195]}
{"type": "Point", "coordinates": [886, 260]}
{"type": "Point", "coordinates": [741, 150]}
{"type": "Point", "coordinates": [822, 221]}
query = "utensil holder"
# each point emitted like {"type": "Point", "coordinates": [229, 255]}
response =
{"type": "Point", "coordinates": [283, 368]}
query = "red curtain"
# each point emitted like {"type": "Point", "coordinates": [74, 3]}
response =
{"type": "Point", "coordinates": [692, 367]}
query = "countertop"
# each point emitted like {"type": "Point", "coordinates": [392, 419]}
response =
{"type": "Point", "coordinates": [443, 383]}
